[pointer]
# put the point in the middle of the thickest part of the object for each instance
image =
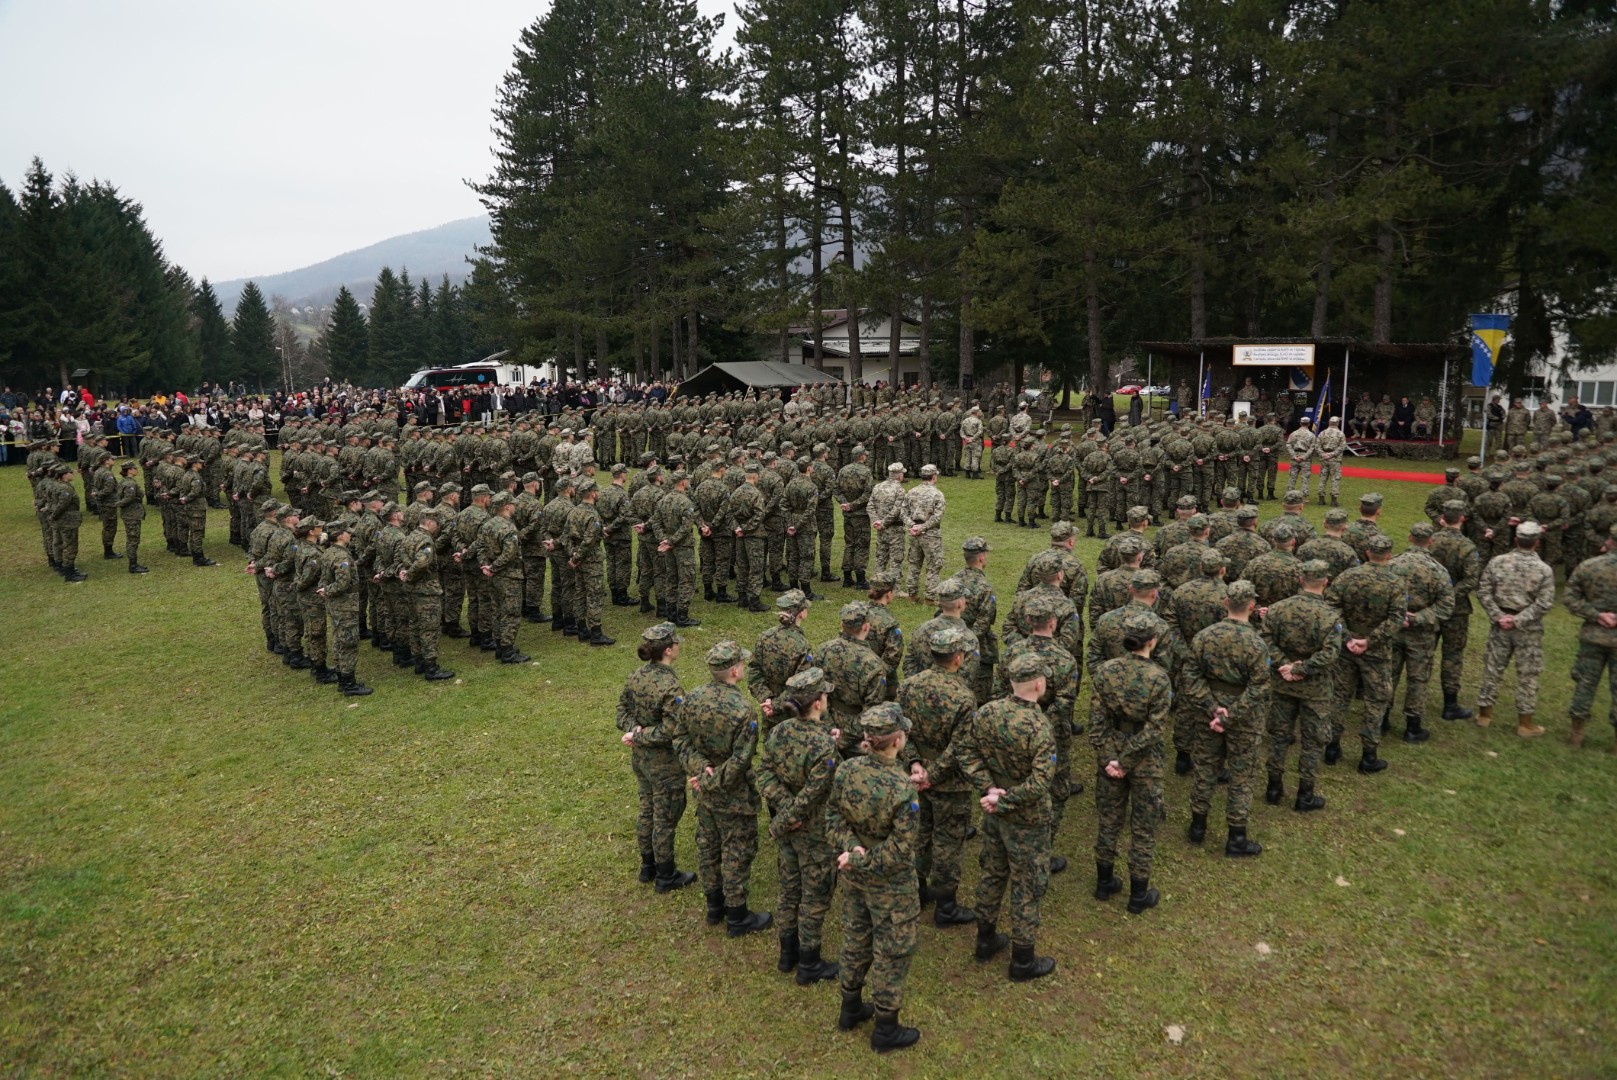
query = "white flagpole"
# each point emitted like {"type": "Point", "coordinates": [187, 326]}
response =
{"type": "Point", "coordinates": [1443, 403]}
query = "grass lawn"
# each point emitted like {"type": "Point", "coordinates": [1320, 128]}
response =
{"type": "Point", "coordinates": [211, 866]}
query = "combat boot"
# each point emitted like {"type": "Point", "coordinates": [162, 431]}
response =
{"type": "Point", "coordinates": [136, 568]}
{"type": "Point", "coordinates": [1370, 763]}
{"type": "Point", "coordinates": [715, 908]}
{"type": "Point", "coordinates": [621, 598]}
{"type": "Point", "coordinates": [1027, 965]}
{"type": "Point", "coordinates": [1413, 732]}
{"type": "Point", "coordinates": [452, 630]}
{"type": "Point", "coordinates": [888, 1034]}
{"type": "Point", "coordinates": [108, 553]}
{"type": "Point", "coordinates": [788, 952]}
{"type": "Point", "coordinates": [1198, 828]}
{"type": "Point", "coordinates": [1307, 800]}
{"type": "Point", "coordinates": [808, 590]}
{"type": "Point", "coordinates": [859, 580]}
{"type": "Point", "coordinates": [854, 1011]}
{"type": "Point", "coordinates": [1181, 762]}
{"type": "Point", "coordinates": [999, 517]}
{"type": "Point", "coordinates": [1276, 789]}
{"type": "Point", "coordinates": [754, 605]}
{"type": "Point", "coordinates": [949, 912]}
{"type": "Point", "coordinates": [199, 559]}
{"type": "Point", "coordinates": [722, 595]}
{"type": "Point", "coordinates": [434, 673]}
{"type": "Point", "coordinates": [72, 575]}
{"type": "Point", "coordinates": [1452, 709]}
{"type": "Point", "coordinates": [324, 675]}
{"type": "Point", "coordinates": [1576, 737]}
{"type": "Point", "coordinates": [645, 604]}
{"type": "Point", "coordinates": [509, 655]}
{"type": "Point", "coordinates": [420, 665]}
{"type": "Point", "coordinates": [648, 868]}
{"type": "Point", "coordinates": [1142, 896]}
{"type": "Point", "coordinates": [1107, 883]}
{"type": "Point", "coordinates": [847, 579]}
{"type": "Point", "coordinates": [299, 662]}
{"type": "Point", "coordinates": [990, 943]}
{"type": "Point", "coordinates": [1089, 527]}
{"type": "Point", "coordinates": [1103, 534]}
{"type": "Point", "coordinates": [826, 576]}
{"type": "Point", "coordinates": [811, 969]}
{"type": "Point", "coordinates": [738, 921]}
{"type": "Point", "coordinates": [351, 686]}
{"type": "Point", "coordinates": [1058, 863]}
{"type": "Point", "coordinates": [683, 620]}
{"type": "Point", "coordinates": [1526, 728]}
{"type": "Point", "coordinates": [1333, 752]}
{"type": "Point", "coordinates": [401, 655]}
{"type": "Point", "coordinates": [663, 609]}
{"type": "Point", "coordinates": [670, 877]}
{"type": "Point", "coordinates": [707, 593]}
{"type": "Point", "coordinates": [1239, 845]}
{"type": "Point", "coordinates": [599, 639]}
{"type": "Point", "coordinates": [1484, 715]}
{"type": "Point", "coordinates": [572, 627]}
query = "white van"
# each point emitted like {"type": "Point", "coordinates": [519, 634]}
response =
{"type": "Point", "coordinates": [486, 373]}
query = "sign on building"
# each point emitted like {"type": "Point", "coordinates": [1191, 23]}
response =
{"type": "Point", "coordinates": [1273, 356]}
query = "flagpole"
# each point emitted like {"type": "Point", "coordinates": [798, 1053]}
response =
{"type": "Point", "coordinates": [1347, 361]}
{"type": "Point", "coordinates": [1201, 399]}
{"type": "Point", "coordinates": [1443, 403]}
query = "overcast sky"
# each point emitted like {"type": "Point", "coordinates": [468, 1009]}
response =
{"type": "Point", "coordinates": [263, 137]}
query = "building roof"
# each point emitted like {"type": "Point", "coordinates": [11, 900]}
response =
{"type": "Point", "coordinates": [754, 374]}
{"type": "Point", "coordinates": [1333, 348]}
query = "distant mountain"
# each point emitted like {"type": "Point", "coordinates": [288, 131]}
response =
{"type": "Point", "coordinates": [429, 254]}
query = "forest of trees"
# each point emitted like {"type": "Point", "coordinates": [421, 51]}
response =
{"type": "Point", "coordinates": [85, 284]}
{"type": "Point", "coordinates": [1051, 180]}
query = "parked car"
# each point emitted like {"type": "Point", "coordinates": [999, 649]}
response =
{"type": "Point", "coordinates": [1131, 388]}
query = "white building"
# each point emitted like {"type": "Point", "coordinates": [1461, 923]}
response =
{"type": "Point", "coordinates": [875, 345]}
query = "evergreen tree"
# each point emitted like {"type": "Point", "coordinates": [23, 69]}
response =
{"type": "Point", "coordinates": [389, 331]}
{"type": "Point", "coordinates": [252, 339]}
{"type": "Point", "coordinates": [344, 344]}
{"type": "Point", "coordinates": [219, 363]}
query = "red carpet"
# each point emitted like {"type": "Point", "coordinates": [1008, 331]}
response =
{"type": "Point", "coordinates": [1380, 474]}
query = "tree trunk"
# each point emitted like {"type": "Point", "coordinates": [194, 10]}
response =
{"type": "Point", "coordinates": [693, 351]}
{"type": "Point", "coordinates": [656, 355]}
{"type": "Point", "coordinates": [676, 369]}
{"type": "Point", "coordinates": [639, 359]}
{"type": "Point", "coordinates": [600, 353]}
{"type": "Point", "coordinates": [856, 359]}
{"type": "Point", "coordinates": [578, 349]}
{"type": "Point", "coordinates": [1098, 383]}
{"type": "Point", "coordinates": [924, 352]}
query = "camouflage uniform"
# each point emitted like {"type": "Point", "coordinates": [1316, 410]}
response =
{"type": "Point", "coordinates": [424, 593]}
{"type": "Point", "coordinates": [674, 522]}
{"type": "Point", "coordinates": [1331, 444]}
{"type": "Point", "coordinates": [1227, 665]}
{"type": "Point", "coordinates": [1009, 745]}
{"type": "Point", "coordinates": [339, 580]}
{"type": "Point", "coordinates": [1130, 700]}
{"type": "Point", "coordinates": [982, 610]}
{"type": "Point", "coordinates": [715, 728]}
{"type": "Point", "coordinates": [796, 771]}
{"type": "Point", "coordinates": [873, 806]}
{"type": "Point", "coordinates": [781, 652]}
{"type": "Point", "coordinates": [1305, 632]}
{"type": "Point", "coordinates": [1591, 590]}
{"type": "Point", "coordinates": [1522, 585]}
{"type": "Point", "coordinates": [650, 702]}
{"type": "Point", "coordinates": [311, 606]}
{"type": "Point", "coordinates": [854, 488]}
{"type": "Point", "coordinates": [1431, 604]}
{"type": "Point", "coordinates": [859, 678]}
{"type": "Point", "coordinates": [1058, 702]}
{"type": "Point", "coordinates": [582, 541]}
{"type": "Point", "coordinates": [888, 507]}
{"type": "Point", "coordinates": [617, 533]}
{"type": "Point", "coordinates": [1372, 601]}
{"type": "Point", "coordinates": [500, 549]}
{"type": "Point", "coordinates": [745, 512]}
{"type": "Point", "coordinates": [938, 709]}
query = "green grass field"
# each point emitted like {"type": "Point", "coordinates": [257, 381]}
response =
{"type": "Point", "coordinates": [210, 866]}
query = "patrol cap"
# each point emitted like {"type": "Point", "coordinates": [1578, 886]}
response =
{"type": "Point", "coordinates": [953, 639]}
{"type": "Point", "coordinates": [1553, 478]}
{"type": "Point", "coordinates": [853, 613]}
{"type": "Point", "coordinates": [618, 469]}
{"type": "Point", "coordinates": [1138, 513]}
{"type": "Point", "coordinates": [1230, 494]}
{"type": "Point", "coordinates": [1025, 667]}
{"type": "Point", "coordinates": [1060, 530]}
{"type": "Point", "coordinates": [450, 488]}
{"type": "Point", "coordinates": [1044, 605]}
{"type": "Point", "coordinates": [810, 681]}
{"type": "Point", "coordinates": [1141, 624]}
{"type": "Point", "coordinates": [677, 475]}
{"type": "Point", "coordinates": [1474, 461]}
{"type": "Point", "coordinates": [1046, 564]}
{"type": "Point", "coordinates": [929, 469]}
{"type": "Point", "coordinates": [1294, 498]}
{"type": "Point", "coordinates": [287, 510]}
{"type": "Point", "coordinates": [502, 499]}
{"type": "Point", "coordinates": [884, 719]}
{"type": "Point", "coordinates": [663, 633]}
{"type": "Point", "coordinates": [1531, 529]}
{"type": "Point", "coordinates": [481, 489]}
{"type": "Point", "coordinates": [583, 486]}
{"type": "Point", "coordinates": [727, 654]}
{"type": "Point", "coordinates": [880, 580]}
{"type": "Point", "coordinates": [308, 524]}
{"type": "Point", "coordinates": [420, 487]}
{"type": "Point", "coordinates": [531, 478]}
{"type": "Point", "coordinates": [1378, 542]}
{"type": "Point", "coordinates": [647, 458]}
{"type": "Point", "coordinates": [1197, 522]}
{"type": "Point", "coordinates": [858, 448]}
{"type": "Point", "coordinates": [1316, 569]}
{"type": "Point", "coordinates": [1336, 516]}
{"type": "Point", "coordinates": [1145, 579]}
{"type": "Point", "coordinates": [1371, 498]}
{"type": "Point", "coordinates": [1611, 489]}
{"type": "Point", "coordinates": [1456, 506]}
{"type": "Point", "coordinates": [1246, 513]}
{"type": "Point", "coordinates": [267, 505]}
{"type": "Point", "coordinates": [973, 544]}
{"type": "Point", "coordinates": [1129, 545]}
{"type": "Point", "coordinates": [1213, 561]}
{"type": "Point", "coordinates": [1241, 592]}
{"type": "Point", "coordinates": [1421, 530]}
{"type": "Point", "coordinates": [1186, 502]}
{"type": "Point", "coordinates": [791, 600]}
{"type": "Point", "coordinates": [897, 466]}
{"type": "Point", "coordinates": [1280, 532]}
{"type": "Point", "coordinates": [950, 589]}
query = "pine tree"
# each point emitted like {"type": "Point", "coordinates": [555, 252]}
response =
{"type": "Point", "coordinates": [252, 338]}
{"type": "Point", "coordinates": [389, 333]}
{"type": "Point", "coordinates": [219, 363]}
{"type": "Point", "coordinates": [345, 341]}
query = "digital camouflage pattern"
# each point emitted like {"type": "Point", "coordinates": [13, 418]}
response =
{"type": "Point", "coordinates": [1305, 632]}
{"type": "Point", "coordinates": [795, 774]}
{"type": "Point", "coordinates": [1227, 665]}
{"type": "Point", "coordinates": [938, 708]}
{"type": "Point", "coordinates": [715, 728]}
{"type": "Point", "coordinates": [650, 701]}
{"type": "Point", "coordinates": [1130, 701]}
{"type": "Point", "coordinates": [873, 806]}
{"type": "Point", "coordinates": [1590, 591]}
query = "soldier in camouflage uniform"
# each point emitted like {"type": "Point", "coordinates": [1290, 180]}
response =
{"type": "Point", "coordinates": [858, 675]}
{"type": "Point", "coordinates": [127, 505]}
{"type": "Point", "coordinates": [648, 710]}
{"type": "Point", "coordinates": [1373, 603]}
{"type": "Point", "coordinates": [1245, 543]}
{"type": "Point", "coordinates": [311, 605]}
{"type": "Point", "coordinates": [1305, 640]}
{"type": "Point", "coordinates": [889, 517]}
{"type": "Point", "coordinates": [982, 610]}
{"type": "Point", "coordinates": [923, 508]}
{"type": "Point", "coordinates": [886, 637]}
{"type": "Point", "coordinates": [1191, 608]}
{"type": "Point", "coordinates": [673, 528]}
{"type": "Point", "coordinates": [715, 734]}
{"type": "Point", "coordinates": [795, 774]}
{"type": "Point", "coordinates": [1225, 675]}
{"type": "Point", "coordinates": [1591, 595]}
{"type": "Point", "coordinates": [1368, 524]}
{"type": "Point", "coordinates": [951, 605]}
{"type": "Point", "coordinates": [1130, 700]}
{"type": "Point", "coordinates": [1458, 557]}
{"type": "Point", "coordinates": [872, 820]}
{"type": "Point", "coordinates": [1332, 548]}
{"type": "Point", "coordinates": [469, 524]}
{"type": "Point", "coordinates": [1042, 616]}
{"type": "Point", "coordinates": [712, 499]}
{"type": "Point", "coordinates": [781, 652]}
{"type": "Point", "coordinates": [417, 561]}
{"type": "Point", "coordinates": [938, 707]}
{"type": "Point", "coordinates": [799, 504]}
{"type": "Point", "coordinates": [854, 488]}
{"type": "Point", "coordinates": [499, 559]}
{"type": "Point", "coordinates": [745, 511]}
{"type": "Point", "coordinates": [280, 567]}
{"type": "Point", "coordinates": [1517, 590]}
{"type": "Point", "coordinates": [582, 543]}
{"type": "Point", "coordinates": [1431, 604]}
{"type": "Point", "coordinates": [339, 589]}
{"type": "Point", "coordinates": [1274, 574]}
{"type": "Point", "coordinates": [1331, 445]}
{"type": "Point", "coordinates": [1009, 753]}
{"type": "Point", "coordinates": [617, 535]}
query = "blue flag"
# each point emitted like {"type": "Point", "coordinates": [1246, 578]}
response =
{"type": "Point", "coordinates": [1487, 335]}
{"type": "Point", "coordinates": [1324, 400]}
